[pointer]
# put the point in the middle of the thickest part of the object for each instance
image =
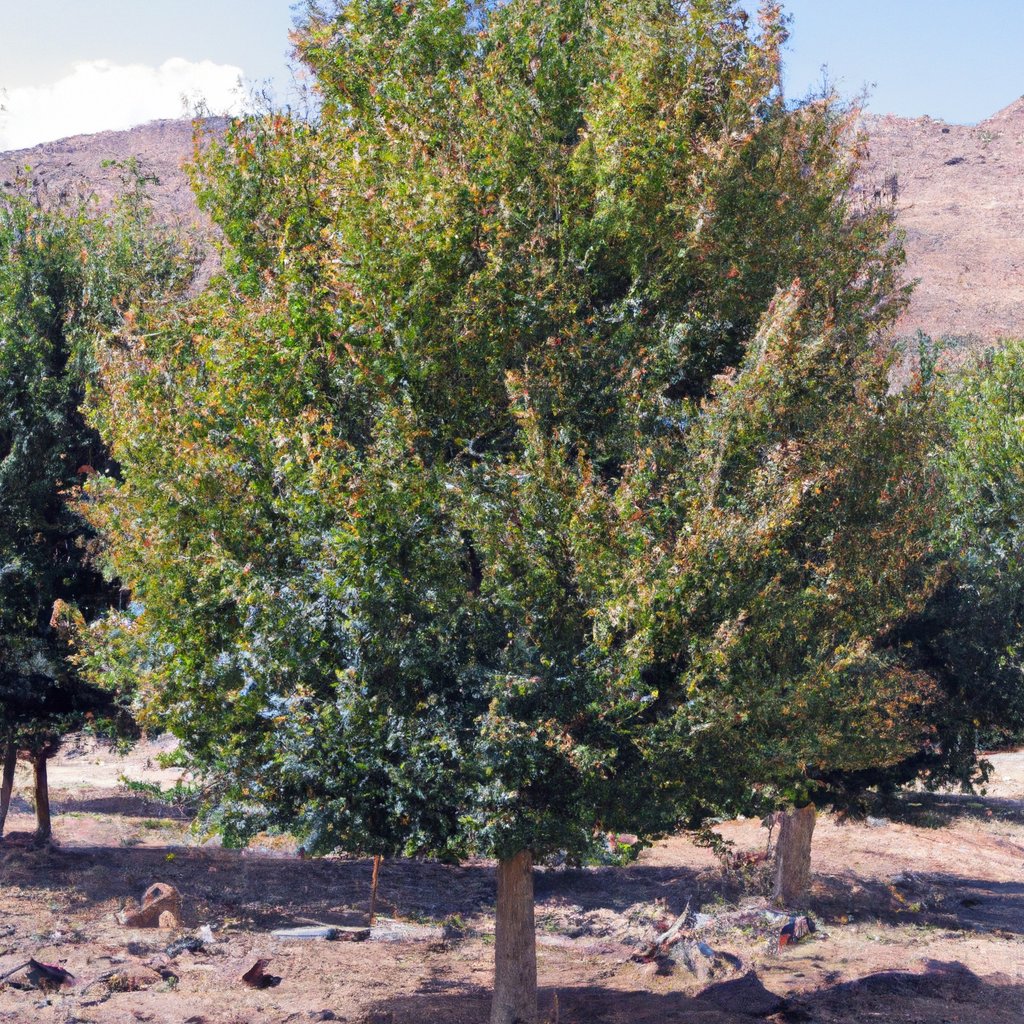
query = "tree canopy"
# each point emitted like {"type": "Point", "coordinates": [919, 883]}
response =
{"type": "Point", "coordinates": [968, 634]}
{"type": "Point", "coordinates": [66, 276]}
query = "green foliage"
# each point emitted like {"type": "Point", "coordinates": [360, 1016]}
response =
{"type": "Point", "coordinates": [65, 277]}
{"type": "Point", "coordinates": [182, 796]}
{"type": "Point", "coordinates": [969, 635]}
{"type": "Point", "coordinates": [505, 490]}
{"type": "Point", "coordinates": [798, 510]}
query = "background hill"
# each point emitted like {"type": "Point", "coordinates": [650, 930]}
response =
{"type": "Point", "coordinates": [960, 190]}
{"type": "Point", "coordinates": [85, 166]}
{"type": "Point", "coordinates": [80, 166]}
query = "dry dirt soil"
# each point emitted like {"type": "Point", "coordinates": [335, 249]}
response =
{"type": "Point", "coordinates": [920, 915]}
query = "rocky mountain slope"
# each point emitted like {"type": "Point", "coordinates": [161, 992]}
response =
{"type": "Point", "coordinates": [960, 190]}
{"type": "Point", "coordinates": [86, 165]}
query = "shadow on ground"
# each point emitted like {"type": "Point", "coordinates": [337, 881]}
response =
{"type": "Point", "coordinates": [945, 993]}
{"type": "Point", "coordinates": [266, 890]}
{"type": "Point", "coordinates": [937, 810]}
{"type": "Point", "coordinates": [953, 902]}
{"type": "Point", "coordinates": [105, 802]}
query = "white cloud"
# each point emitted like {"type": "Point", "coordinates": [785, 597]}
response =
{"type": "Point", "coordinates": [99, 95]}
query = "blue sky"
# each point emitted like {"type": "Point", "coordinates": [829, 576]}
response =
{"type": "Point", "coordinates": [69, 66]}
{"type": "Point", "coordinates": [40, 39]}
{"type": "Point", "coordinates": [955, 60]}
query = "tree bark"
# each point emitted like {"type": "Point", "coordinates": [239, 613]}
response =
{"type": "Point", "coordinates": [515, 944]}
{"type": "Point", "coordinates": [7, 782]}
{"type": "Point", "coordinates": [373, 888]}
{"type": "Point", "coordinates": [44, 828]}
{"type": "Point", "coordinates": [793, 855]}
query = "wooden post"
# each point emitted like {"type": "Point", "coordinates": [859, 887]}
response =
{"type": "Point", "coordinates": [515, 944]}
{"type": "Point", "coordinates": [7, 782]}
{"type": "Point", "coordinates": [793, 855]}
{"type": "Point", "coordinates": [44, 828]}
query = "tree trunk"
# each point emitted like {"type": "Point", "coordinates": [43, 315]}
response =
{"type": "Point", "coordinates": [44, 829]}
{"type": "Point", "coordinates": [515, 944]}
{"type": "Point", "coordinates": [793, 855]}
{"type": "Point", "coordinates": [373, 888]}
{"type": "Point", "coordinates": [7, 783]}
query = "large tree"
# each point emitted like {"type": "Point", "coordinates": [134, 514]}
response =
{"type": "Point", "coordinates": [531, 471]}
{"type": "Point", "coordinates": [66, 276]}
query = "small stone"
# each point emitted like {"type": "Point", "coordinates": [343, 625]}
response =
{"type": "Point", "coordinates": [796, 928]}
{"type": "Point", "coordinates": [704, 962]}
{"type": "Point", "coordinates": [257, 976]}
{"type": "Point", "coordinates": [190, 944]}
{"type": "Point", "coordinates": [132, 978]}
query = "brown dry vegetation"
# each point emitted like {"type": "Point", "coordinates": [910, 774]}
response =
{"type": "Point", "coordinates": [920, 912]}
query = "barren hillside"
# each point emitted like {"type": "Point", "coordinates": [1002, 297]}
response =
{"type": "Point", "coordinates": [82, 166]}
{"type": "Point", "coordinates": [960, 190]}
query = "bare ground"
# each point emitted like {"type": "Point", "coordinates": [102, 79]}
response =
{"type": "Point", "coordinates": [920, 918]}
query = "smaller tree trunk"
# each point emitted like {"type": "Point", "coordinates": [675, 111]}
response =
{"type": "Point", "coordinates": [793, 855]}
{"type": "Point", "coordinates": [44, 827]}
{"type": "Point", "coordinates": [7, 782]}
{"type": "Point", "coordinates": [373, 888]}
{"type": "Point", "coordinates": [515, 944]}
